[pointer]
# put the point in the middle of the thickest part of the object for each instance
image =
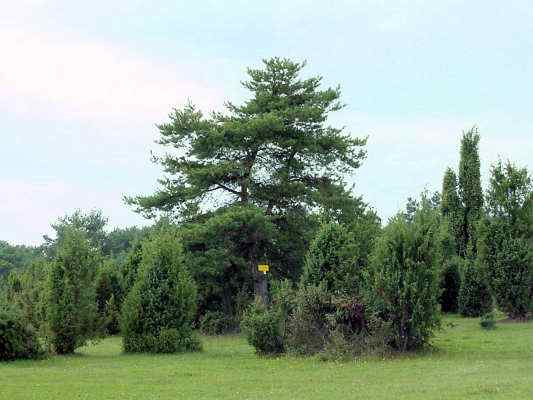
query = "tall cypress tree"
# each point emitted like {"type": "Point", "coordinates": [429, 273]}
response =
{"type": "Point", "coordinates": [451, 207]}
{"type": "Point", "coordinates": [470, 191]}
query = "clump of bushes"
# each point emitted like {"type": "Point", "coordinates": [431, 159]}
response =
{"type": "Point", "coordinates": [342, 309]}
{"type": "Point", "coordinates": [308, 327]}
{"type": "Point", "coordinates": [474, 297]}
{"type": "Point", "coordinates": [158, 313]}
{"type": "Point", "coordinates": [18, 340]}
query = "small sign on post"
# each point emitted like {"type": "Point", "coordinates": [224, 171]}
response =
{"type": "Point", "coordinates": [263, 268]}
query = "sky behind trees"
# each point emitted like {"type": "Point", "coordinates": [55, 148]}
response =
{"type": "Point", "coordinates": [83, 83]}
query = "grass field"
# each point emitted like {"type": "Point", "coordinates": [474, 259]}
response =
{"type": "Point", "coordinates": [467, 363]}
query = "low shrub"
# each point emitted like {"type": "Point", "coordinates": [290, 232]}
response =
{"type": "Point", "coordinates": [309, 326]}
{"type": "Point", "coordinates": [263, 327]}
{"type": "Point", "coordinates": [372, 341]}
{"type": "Point", "coordinates": [17, 339]}
{"type": "Point", "coordinates": [488, 321]}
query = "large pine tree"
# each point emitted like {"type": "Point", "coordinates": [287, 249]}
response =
{"type": "Point", "coordinates": [275, 151]}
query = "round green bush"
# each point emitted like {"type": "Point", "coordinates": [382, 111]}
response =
{"type": "Point", "coordinates": [17, 339]}
{"type": "Point", "coordinates": [158, 313]}
{"type": "Point", "coordinates": [263, 328]}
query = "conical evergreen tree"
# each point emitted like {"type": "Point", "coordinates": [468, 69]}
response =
{"type": "Point", "coordinates": [71, 311]}
{"type": "Point", "coordinates": [470, 191]}
{"type": "Point", "coordinates": [451, 206]}
{"type": "Point", "coordinates": [158, 312]}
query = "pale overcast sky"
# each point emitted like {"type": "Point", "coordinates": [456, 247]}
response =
{"type": "Point", "coordinates": [82, 84]}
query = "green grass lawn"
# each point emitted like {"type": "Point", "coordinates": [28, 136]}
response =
{"type": "Point", "coordinates": [467, 363]}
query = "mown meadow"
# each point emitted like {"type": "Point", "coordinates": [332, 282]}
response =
{"type": "Point", "coordinates": [463, 362]}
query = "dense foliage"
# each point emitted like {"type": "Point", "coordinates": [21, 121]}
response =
{"type": "Point", "coordinates": [15, 257]}
{"type": "Point", "coordinates": [449, 264]}
{"type": "Point", "coordinates": [223, 253]}
{"type": "Point", "coordinates": [470, 191]}
{"type": "Point", "coordinates": [451, 208]}
{"type": "Point", "coordinates": [506, 238]}
{"type": "Point", "coordinates": [109, 295]}
{"type": "Point", "coordinates": [158, 313]}
{"type": "Point", "coordinates": [308, 327]}
{"type": "Point", "coordinates": [26, 289]}
{"type": "Point", "coordinates": [404, 280]}
{"type": "Point", "coordinates": [92, 225]}
{"type": "Point", "coordinates": [331, 260]}
{"type": "Point", "coordinates": [450, 285]}
{"type": "Point", "coordinates": [71, 308]}
{"type": "Point", "coordinates": [17, 339]}
{"type": "Point", "coordinates": [263, 327]}
{"type": "Point", "coordinates": [474, 297]}
{"type": "Point", "coordinates": [274, 152]}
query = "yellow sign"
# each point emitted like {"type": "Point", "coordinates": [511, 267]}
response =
{"type": "Point", "coordinates": [263, 268]}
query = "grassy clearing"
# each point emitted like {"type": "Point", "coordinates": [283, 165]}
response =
{"type": "Point", "coordinates": [467, 363]}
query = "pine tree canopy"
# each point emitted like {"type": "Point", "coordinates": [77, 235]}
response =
{"type": "Point", "coordinates": [275, 151]}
